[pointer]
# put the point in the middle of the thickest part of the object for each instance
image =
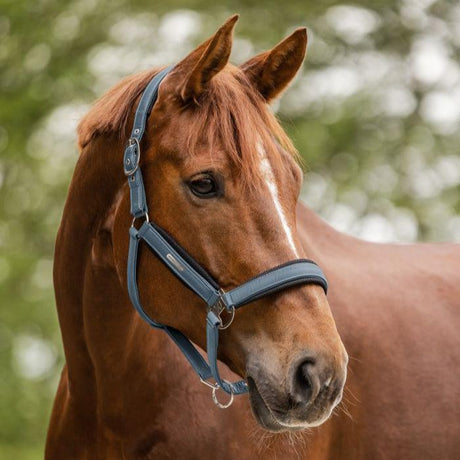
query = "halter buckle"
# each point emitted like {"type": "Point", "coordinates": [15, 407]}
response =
{"type": "Point", "coordinates": [131, 157]}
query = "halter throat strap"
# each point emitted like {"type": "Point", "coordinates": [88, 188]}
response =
{"type": "Point", "coordinates": [188, 271]}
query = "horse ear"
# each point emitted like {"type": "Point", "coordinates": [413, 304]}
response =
{"type": "Point", "coordinates": [272, 71]}
{"type": "Point", "coordinates": [207, 60]}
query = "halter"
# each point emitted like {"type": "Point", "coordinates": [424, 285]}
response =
{"type": "Point", "coordinates": [190, 272]}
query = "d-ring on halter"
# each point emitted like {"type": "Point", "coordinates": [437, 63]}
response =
{"type": "Point", "coordinates": [192, 274]}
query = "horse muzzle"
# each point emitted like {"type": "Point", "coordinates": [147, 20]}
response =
{"type": "Point", "coordinates": [311, 390]}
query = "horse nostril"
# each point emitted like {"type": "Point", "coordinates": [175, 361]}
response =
{"type": "Point", "coordinates": [306, 384]}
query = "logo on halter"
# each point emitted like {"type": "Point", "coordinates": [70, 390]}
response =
{"type": "Point", "coordinates": [175, 262]}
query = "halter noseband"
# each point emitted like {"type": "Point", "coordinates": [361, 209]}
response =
{"type": "Point", "coordinates": [192, 274]}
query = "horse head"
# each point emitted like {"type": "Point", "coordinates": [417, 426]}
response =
{"type": "Point", "coordinates": [221, 178]}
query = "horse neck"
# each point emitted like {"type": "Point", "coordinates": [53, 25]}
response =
{"type": "Point", "coordinates": [97, 180]}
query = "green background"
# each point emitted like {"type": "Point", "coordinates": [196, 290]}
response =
{"type": "Point", "coordinates": [375, 113]}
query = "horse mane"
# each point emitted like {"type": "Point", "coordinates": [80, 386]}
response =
{"type": "Point", "coordinates": [231, 114]}
{"type": "Point", "coordinates": [110, 113]}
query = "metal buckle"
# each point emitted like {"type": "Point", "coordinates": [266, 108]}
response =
{"type": "Point", "coordinates": [219, 307]}
{"type": "Point", "coordinates": [132, 141]}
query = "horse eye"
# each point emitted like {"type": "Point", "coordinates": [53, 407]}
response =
{"type": "Point", "coordinates": [203, 186]}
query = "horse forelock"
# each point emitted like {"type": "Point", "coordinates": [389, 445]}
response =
{"type": "Point", "coordinates": [231, 115]}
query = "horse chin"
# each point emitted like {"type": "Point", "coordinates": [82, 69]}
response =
{"type": "Point", "coordinates": [274, 420]}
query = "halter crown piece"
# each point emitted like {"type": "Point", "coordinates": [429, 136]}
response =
{"type": "Point", "coordinates": [189, 272]}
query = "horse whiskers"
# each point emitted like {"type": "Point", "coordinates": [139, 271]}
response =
{"type": "Point", "coordinates": [347, 393]}
{"type": "Point", "coordinates": [343, 409]}
{"type": "Point", "coordinates": [348, 414]}
{"type": "Point", "coordinates": [353, 358]}
{"type": "Point", "coordinates": [262, 438]}
{"type": "Point", "coordinates": [269, 443]}
{"type": "Point", "coordinates": [297, 441]}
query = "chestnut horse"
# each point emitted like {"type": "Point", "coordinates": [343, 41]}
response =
{"type": "Point", "coordinates": [221, 178]}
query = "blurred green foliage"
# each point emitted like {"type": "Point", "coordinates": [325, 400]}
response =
{"type": "Point", "coordinates": [375, 113]}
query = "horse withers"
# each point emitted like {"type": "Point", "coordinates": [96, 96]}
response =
{"type": "Point", "coordinates": [221, 183]}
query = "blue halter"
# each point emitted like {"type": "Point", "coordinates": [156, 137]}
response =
{"type": "Point", "coordinates": [189, 272]}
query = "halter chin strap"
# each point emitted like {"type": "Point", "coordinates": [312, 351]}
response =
{"type": "Point", "coordinates": [189, 272]}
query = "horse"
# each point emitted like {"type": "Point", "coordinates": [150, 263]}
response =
{"type": "Point", "coordinates": [222, 178]}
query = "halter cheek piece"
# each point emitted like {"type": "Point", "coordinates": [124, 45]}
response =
{"type": "Point", "coordinates": [189, 272]}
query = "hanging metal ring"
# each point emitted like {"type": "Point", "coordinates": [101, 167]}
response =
{"type": "Point", "coordinates": [218, 403]}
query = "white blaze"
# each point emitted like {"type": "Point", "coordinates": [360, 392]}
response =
{"type": "Point", "coordinates": [267, 172]}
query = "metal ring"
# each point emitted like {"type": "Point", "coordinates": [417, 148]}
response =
{"type": "Point", "coordinates": [146, 215]}
{"type": "Point", "coordinates": [225, 326]}
{"type": "Point", "coordinates": [218, 403]}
